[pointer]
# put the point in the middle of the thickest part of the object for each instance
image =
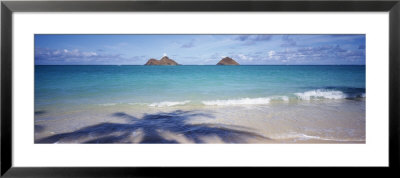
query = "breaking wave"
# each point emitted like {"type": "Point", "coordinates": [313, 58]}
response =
{"type": "Point", "coordinates": [321, 94]}
{"type": "Point", "coordinates": [242, 101]}
{"type": "Point", "coordinates": [317, 94]}
{"type": "Point", "coordinates": [328, 94]}
{"type": "Point", "coordinates": [169, 103]}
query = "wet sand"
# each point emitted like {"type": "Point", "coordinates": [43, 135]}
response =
{"type": "Point", "coordinates": [327, 121]}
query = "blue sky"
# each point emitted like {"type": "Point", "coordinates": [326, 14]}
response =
{"type": "Point", "coordinates": [200, 49]}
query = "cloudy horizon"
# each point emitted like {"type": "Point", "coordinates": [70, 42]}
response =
{"type": "Point", "coordinates": [200, 49]}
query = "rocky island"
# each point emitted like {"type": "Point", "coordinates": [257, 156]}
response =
{"type": "Point", "coordinates": [164, 61]}
{"type": "Point", "coordinates": [227, 61]}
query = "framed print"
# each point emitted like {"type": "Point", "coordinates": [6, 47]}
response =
{"type": "Point", "coordinates": [103, 88]}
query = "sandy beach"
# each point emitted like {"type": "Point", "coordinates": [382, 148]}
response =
{"type": "Point", "coordinates": [328, 121]}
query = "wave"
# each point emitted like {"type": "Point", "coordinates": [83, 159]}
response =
{"type": "Point", "coordinates": [301, 136]}
{"type": "Point", "coordinates": [321, 94]}
{"type": "Point", "coordinates": [169, 103]}
{"type": "Point", "coordinates": [280, 98]}
{"type": "Point", "coordinates": [242, 101]}
{"type": "Point", "coordinates": [328, 94]}
{"type": "Point", "coordinates": [317, 94]}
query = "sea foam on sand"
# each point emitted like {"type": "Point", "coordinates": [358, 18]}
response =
{"type": "Point", "coordinates": [169, 103]}
{"type": "Point", "coordinates": [242, 101]}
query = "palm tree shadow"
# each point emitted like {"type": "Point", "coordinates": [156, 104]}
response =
{"type": "Point", "coordinates": [151, 127]}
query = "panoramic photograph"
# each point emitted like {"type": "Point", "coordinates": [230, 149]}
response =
{"type": "Point", "coordinates": [199, 89]}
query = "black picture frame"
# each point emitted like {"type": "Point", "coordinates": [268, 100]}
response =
{"type": "Point", "coordinates": [8, 7]}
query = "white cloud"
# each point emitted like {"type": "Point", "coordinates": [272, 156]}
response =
{"type": "Point", "coordinates": [56, 52]}
{"type": "Point", "coordinates": [271, 54]}
{"type": "Point", "coordinates": [89, 54]}
{"type": "Point", "coordinates": [244, 57]}
{"type": "Point", "coordinates": [45, 55]}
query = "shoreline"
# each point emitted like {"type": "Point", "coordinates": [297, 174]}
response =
{"type": "Point", "coordinates": [333, 121]}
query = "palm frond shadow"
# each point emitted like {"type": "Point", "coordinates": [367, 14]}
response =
{"type": "Point", "coordinates": [151, 126]}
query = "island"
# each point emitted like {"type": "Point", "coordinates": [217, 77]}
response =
{"type": "Point", "coordinates": [227, 61]}
{"type": "Point", "coordinates": [164, 61]}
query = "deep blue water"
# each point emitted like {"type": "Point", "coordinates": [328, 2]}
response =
{"type": "Point", "coordinates": [63, 86]}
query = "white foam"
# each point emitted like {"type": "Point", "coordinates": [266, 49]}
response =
{"type": "Point", "coordinates": [321, 94]}
{"type": "Point", "coordinates": [301, 136]}
{"type": "Point", "coordinates": [169, 103]}
{"type": "Point", "coordinates": [138, 104]}
{"type": "Point", "coordinates": [242, 101]}
{"type": "Point", "coordinates": [282, 98]}
{"type": "Point", "coordinates": [285, 98]}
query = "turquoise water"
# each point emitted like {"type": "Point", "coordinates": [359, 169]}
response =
{"type": "Point", "coordinates": [157, 86]}
{"type": "Point", "coordinates": [199, 104]}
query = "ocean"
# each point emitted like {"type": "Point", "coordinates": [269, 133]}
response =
{"type": "Point", "coordinates": [214, 104]}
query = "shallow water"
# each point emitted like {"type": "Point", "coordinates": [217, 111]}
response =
{"type": "Point", "coordinates": [200, 104]}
